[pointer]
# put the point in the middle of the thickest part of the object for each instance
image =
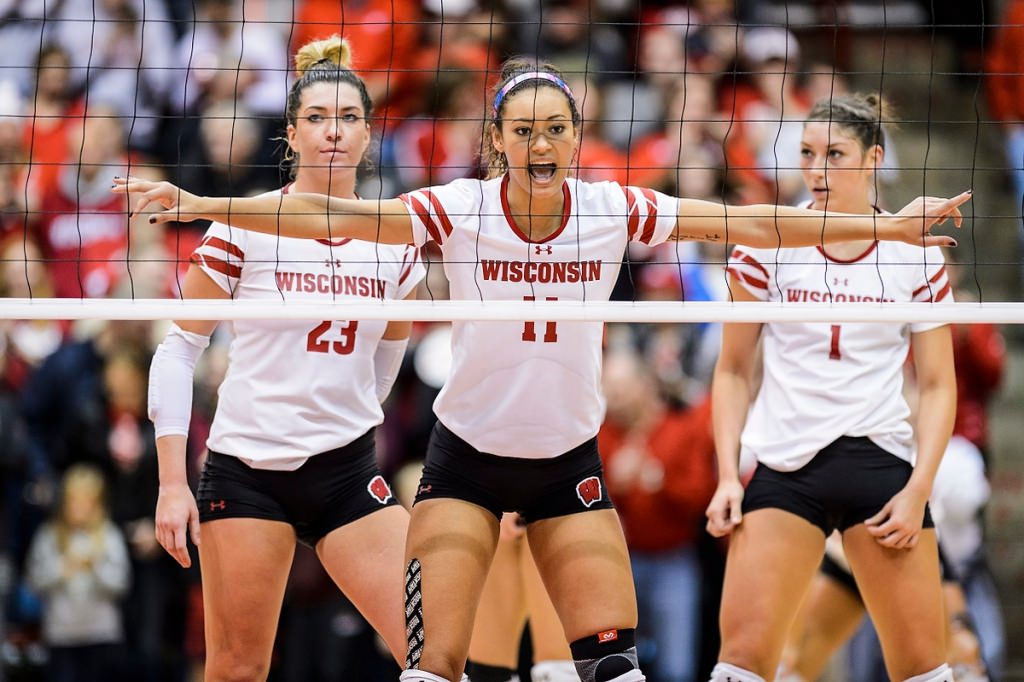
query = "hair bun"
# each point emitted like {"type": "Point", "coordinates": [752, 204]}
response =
{"type": "Point", "coordinates": [335, 51]}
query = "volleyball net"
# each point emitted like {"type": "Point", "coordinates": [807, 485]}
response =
{"type": "Point", "coordinates": [704, 100]}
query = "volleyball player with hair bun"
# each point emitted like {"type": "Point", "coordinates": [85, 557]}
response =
{"type": "Point", "coordinates": [829, 426]}
{"type": "Point", "coordinates": [291, 448]}
{"type": "Point", "coordinates": [520, 411]}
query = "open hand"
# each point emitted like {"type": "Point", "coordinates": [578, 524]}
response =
{"type": "Point", "coordinates": [914, 222]}
{"type": "Point", "coordinates": [179, 205]}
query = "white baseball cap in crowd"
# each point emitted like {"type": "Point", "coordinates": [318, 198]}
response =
{"type": "Point", "coordinates": [765, 43]}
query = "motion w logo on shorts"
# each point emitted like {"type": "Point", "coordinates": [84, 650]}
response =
{"type": "Point", "coordinates": [379, 489]}
{"type": "Point", "coordinates": [589, 491]}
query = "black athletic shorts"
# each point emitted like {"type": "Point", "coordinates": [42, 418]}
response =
{"type": "Point", "coordinates": [328, 491]}
{"type": "Point", "coordinates": [831, 568]}
{"type": "Point", "coordinates": [846, 483]}
{"type": "Point", "coordinates": [536, 488]}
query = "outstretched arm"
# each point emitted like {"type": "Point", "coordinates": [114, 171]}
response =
{"type": "Point", "coordinates": [313, 216]}
{"type": "Point", "coordinates": [767, 226]}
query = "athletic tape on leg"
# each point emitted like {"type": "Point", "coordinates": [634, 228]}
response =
{"type": "Point", "coordinates": [414, 631]}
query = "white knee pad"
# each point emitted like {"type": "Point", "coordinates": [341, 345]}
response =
{"type": "Point", "coordinates": [941, 674]}
{"type": "Point", "coordinates": [420, 676]}
{"type": "Point", "coordinates": [554, 671]}
{"type": "Point", "coordinates": [726, 672]}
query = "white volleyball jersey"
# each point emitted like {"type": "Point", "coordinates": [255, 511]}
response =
{"type": "Point", "coordinates": [822, 381]}
{"type": "Point", "coordinates": [531, 389]}
{"type": "Point", "coordinates": [295, 388]}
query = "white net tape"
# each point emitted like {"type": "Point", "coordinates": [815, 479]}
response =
{"type": "Point", "coordinates": [555, 311]}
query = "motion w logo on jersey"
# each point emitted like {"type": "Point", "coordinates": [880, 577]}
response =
{"type": "Point", "coordinates": [589, 491]}
{"type": "Point", "coordinates": [379, 489]}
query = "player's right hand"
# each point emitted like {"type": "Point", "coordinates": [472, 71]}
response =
{"type": "Point", "coordinates": [176, 513]}
{"type": "Point", "coordinates": [724, 512]}
{"type": "Point", "coordinates": [181, 206]}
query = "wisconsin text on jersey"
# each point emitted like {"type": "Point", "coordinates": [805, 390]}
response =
{"type": "Point", "coordinates": [810, 295]}
{"type": "Point", "coordinates": [347, 285]}
{"type": "Point", "coordinates": [543, 272]}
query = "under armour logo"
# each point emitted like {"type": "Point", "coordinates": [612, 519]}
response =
{"type": "Point", "coordinates": [836, 281]}
{"type": "Point", "coordinates": [328, 263]}
{"type": "Point", "coordinates": [424, 489]}
{"type": "Point", "coordinates": [219, 505]}
{"type": "Point", "coordinates": [543, 248]}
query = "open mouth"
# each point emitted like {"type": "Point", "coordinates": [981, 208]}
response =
{"type": "Point", "coordinates": [542, 171]}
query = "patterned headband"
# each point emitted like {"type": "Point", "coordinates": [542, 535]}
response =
{"type": "Point", "coordinates": [529, 76]}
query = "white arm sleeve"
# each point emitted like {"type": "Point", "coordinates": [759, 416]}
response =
{"type": "Point", "coordinates": [387, 360]}
{"type": "Point", "coordinates": [170, 380]}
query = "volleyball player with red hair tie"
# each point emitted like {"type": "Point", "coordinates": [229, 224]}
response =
{"type": "Point", "coordinates": [520, 411]}
{"type": "Point", "coordinates": [291, 448]}
{"type": "Point", "coordinates": [829, 425]}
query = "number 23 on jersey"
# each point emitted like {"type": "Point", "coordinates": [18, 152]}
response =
{"type": "Point", "coordinates": [317, 341]}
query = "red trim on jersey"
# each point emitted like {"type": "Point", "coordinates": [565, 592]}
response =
{"type": "Point", "coordinates": [566, 209]}
{"type": "Point", "coordinates": [744, 277]}
{"type": "Point", "coordinates": [652, 215]}
{"type": "Point", "coordinates": [862, 256]}
{"type": "Point", "coordinates": [943, 293]}
{"type": "Point", "coordinates": [407, 264]}
{"type": "Point", "coordinates": [749, 260]}
{"type": "Point", "coordinates": [938, 275]}
{"type": "Point", "coordinates": [341, 241]}
{"type": "Point", "coordinates": [217, 265]}
{"type": "Point", "coordinates": [413, 202]}
{"type": "Point", "coordinates": [446, 224]}
{"type": "Point", "coordinates": [632, 214]}
{"type": "Point", "coordinates": [932, 280]}
{"type": "Point", "coordinates": [225, 246]}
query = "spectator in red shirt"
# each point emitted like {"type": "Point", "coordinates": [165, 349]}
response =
{"type": "Point", "coordinates": [1004, 66]}
{"type": "Point", "coordinates": [385, 37]}
{"type": "Point", "coordinates": [659, 472]}
{"type": "Point", "coordinates": [83, 228]}
{"type": "Point", "coordinates": [597, 159]}
{"type": "Point", "coordinates": [686, 156]}
{"type": "Point", "coordinates": [980, 357]}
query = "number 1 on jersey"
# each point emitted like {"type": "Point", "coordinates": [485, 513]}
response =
{"type": "Point", "coordinates": [530, 327]}
{"type": "Point", "coordinates": [833, 353]}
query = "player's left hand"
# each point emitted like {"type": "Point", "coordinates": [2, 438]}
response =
{"type": "Point", "coordinates": [898, 524]}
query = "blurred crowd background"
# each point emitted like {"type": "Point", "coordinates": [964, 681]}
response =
{"type": "Point", "coordinates": [702, 99]}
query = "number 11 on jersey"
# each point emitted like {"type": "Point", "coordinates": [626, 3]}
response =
{"type": "Point", "coordinates": [530, 327]}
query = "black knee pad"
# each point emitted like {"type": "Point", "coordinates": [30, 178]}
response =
{"type": "Point", "coordinates": [605, 656]}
